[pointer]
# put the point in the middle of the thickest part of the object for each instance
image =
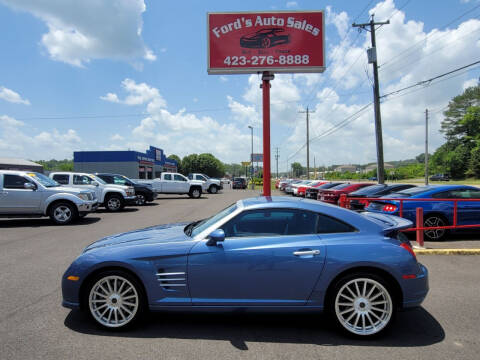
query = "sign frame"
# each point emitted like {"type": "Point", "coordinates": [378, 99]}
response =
{"type": "Point", "coordinates": [255, 70]}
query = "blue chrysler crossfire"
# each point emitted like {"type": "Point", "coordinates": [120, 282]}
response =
{"type": "Point", "coordinates": [260, 254]}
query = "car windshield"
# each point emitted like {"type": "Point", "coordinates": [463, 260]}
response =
{"type": "Point", "coordinates": [197, 227]}
{"type": "Point", "coordinates": [44, 180]}
{"type": "Point", "coordinates": [369, 190]}
{"type": "Point", "coordinates": [414, 191]}
{"type": "Point", "coordinates": [97, 179]}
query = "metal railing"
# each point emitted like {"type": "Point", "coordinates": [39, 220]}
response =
{"type": "Point", "coordinates": [419, 228]}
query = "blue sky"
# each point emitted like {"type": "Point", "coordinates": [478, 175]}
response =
{"type": "Point", "coordinates": [60, 60]}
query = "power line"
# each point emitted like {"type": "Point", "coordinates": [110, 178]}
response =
{"type": "Point", "coordinates": [423, 82]}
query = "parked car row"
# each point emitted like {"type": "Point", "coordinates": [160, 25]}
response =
{"type": "Point", "coordinates": [65, 196]}
{"type": "Point", "coordinates": [363, 197]}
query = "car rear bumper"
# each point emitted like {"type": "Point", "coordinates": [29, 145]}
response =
{"type": "Point", "coordinates": [415, 290]}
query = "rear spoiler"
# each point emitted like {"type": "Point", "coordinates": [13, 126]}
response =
{"type": "Point", "coordinates": [390, 223]}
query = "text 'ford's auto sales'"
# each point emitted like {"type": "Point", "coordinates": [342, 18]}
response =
{"type": "Point", "coordinates": [253, 42]}
{"type": "Point", "coordinates": [266, 21]}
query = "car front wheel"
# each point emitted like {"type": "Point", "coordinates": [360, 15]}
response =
{"type": "Point", "coordinates": [141, 199]}
{"type": "Point", "coordinates": [213, 189]}
{"type": "Point", "coordinates": [115, 299]}
{"type": "Point", "coordinates": [362, 305]}
{"type": "Point", "coordinates": [114, 203]}
{"type": "Point", "coordinates": [62, 213]}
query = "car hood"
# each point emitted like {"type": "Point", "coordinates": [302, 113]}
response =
{"type": "Point", "coordinates": [67, 189]}
{"type": "Point", "coordinates": [159, 234]}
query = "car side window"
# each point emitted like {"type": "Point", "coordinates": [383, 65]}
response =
{"type": "Point", "coordinates": [271, 222]}
{"type": "Point", "coordinates": [14, 181]}
{"type": "Point", "coordinates": [167, 177]}
{"type": "Point", "coordinates": [466, 194]}
{"type": "Point", "coordinates": [61, 179]}
{"type": "Point", "coordinates": [329, 225]}
{"type": "Point", "coordinates": [179, 178]}
{"type": "Point", "coordinates": [444, 195]}
{"type": "Point", "coordinates": [117, 180]}
{"type": "Point", "coordinates": [81, 180]}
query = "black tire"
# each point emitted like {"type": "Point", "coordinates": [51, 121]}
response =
{"type": "Point", "coordinates": [435, 220]}
{"type": "Point", "coordinates": [195, 193]}
{"type": "Point", "coordinates": [114, 202]}
{"type": "Point", "coordinates": [62, 213]}
{"type": "Point", "coordinates": [141, 199]}
{"type": "Point", "coordinates": [213, 189]}
{"type": "Point", "coordinates": [115, 301]}
{"type": "Point", "coordinates": [337, 305]}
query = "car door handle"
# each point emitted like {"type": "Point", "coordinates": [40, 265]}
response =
{"type": "Point", "coordinates": [306, 252]}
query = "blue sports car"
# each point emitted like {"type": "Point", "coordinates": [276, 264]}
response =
{"type": "Point", "coordinates": [435, 213]}
{"type": "Point", "coordinates": [268, 253]}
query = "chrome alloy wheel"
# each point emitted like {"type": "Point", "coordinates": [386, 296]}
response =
{"type": "Point", "coordinates": [434, 221]}
{"type": "Point", "coordinates": [62, 213]}
{"type": "Point", "coordinates": [114, 203]}
{"type": "Point", "coordinates": [363, 306]}
{"type": "Point", "coordinates": [113, 301]}
{"type": "Point", "coordinates": [141, 200]}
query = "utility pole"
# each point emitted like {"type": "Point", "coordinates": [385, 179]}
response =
{"type": "Point", "coordinates": [426, 146]}
{"type": "Point", "coordinates": [372, 58]}
{"type": "Point", "coordinates": [314, 169]}
{"type": "Point", "coordinates": [308, 141]}
{"type": "Point", "coordinates": [276, 158]}
{"type": "Point", "coordinates": [251, 156]}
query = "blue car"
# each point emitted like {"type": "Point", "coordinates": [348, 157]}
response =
{"type": "Point", "coordinates": [435, 213]}
{"type": "Point", "coordinates": [276, 254]}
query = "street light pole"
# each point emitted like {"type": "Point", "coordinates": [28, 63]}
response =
{"type": "Point", "coordinates": [251, 157]}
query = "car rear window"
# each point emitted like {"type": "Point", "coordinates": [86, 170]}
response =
{"type": "Point", "coordinates": [373, 189]}
{"type": "Point", "coordinates": [415, 190]}
{"type": "Point", "coordinates": [340, 187]}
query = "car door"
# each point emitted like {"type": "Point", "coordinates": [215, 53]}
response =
{"type": "Point", "coordinates": [181, 184]}
{"type": "Point", "coordinates": [168, 185]}
{"type": "Point", "coordinates": [468, 212]}
{"type": "Point", "coordinates": [86, 182]}
{"type": "Point", "coordinates": [15, 199]}
{"type": "Point", "coordinates": [269, 257]}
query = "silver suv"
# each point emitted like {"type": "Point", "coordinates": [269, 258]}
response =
{"type": "Point", "coordinates": [31, 194]}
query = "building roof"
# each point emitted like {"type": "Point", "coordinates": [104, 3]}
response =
{"type": "Point", "coordinates": [13, 161]}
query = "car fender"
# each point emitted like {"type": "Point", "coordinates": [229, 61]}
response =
{"type": "Point", "coordinates": [60, 196]}
{"type": "Point", "coordinates": [112, 191]}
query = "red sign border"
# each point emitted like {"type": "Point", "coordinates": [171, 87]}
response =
{"type": "Point", "coordinates": [256, 70]}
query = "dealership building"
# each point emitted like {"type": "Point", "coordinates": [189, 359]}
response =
{"type": "Point", "coordinates": [132, 164]}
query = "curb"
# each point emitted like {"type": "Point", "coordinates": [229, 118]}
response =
{"type": "Point", "coordinates": [447, 251]}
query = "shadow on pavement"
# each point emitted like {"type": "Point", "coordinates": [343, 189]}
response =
{"type": "Point", "coordinates": [412, 328]}
{"type": "Point", "coordinates": [124, 210]}
{"type": "Point", "coordinates": [203, 197]}
{"type": "Point", "coordinates": [12, 223]}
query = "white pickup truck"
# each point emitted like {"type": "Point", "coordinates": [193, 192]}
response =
{"type": "Point", "coordinates": [209, 184]}
{"type": "Point", "coordinates": [175, 183]}
{"type": "Point", "coordinates": [113, 197]}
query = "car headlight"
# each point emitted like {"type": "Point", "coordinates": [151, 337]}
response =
{"type": "Point", "coordinates": [83, 196]}
{"type": "Point", "coordinates": [130, 191]}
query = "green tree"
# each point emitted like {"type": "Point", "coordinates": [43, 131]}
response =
{"type": "Point", "coordinates": [297, 169]}
{"type": "Point", "coordinates": [203, 163]}
{"type": "Point", "coordinates": [457, 108]}
{"type": "Point", "coordinates": [178, 160]}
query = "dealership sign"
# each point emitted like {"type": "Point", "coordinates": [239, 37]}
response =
{"type": "Point", "coordinates": [280, 42]}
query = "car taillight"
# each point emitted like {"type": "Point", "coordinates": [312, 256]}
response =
{"type": "Point", "coordinates": [364, 202]}
{"type": "Point", "coordinates": [408, 248]}
{"type": "Point", "coordinates": [389, 208]}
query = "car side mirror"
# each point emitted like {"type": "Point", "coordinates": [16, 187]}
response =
{"type": "Point", "coordinates": [215, 237]}
{"type": "Point", "coordinates": [96, 184]}
{"type": "Point", "coordinates": [29, 186]}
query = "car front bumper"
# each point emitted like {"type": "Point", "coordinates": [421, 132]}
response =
{"type": "Point", "coordinates": [87, 206]}
{"type": "Point", "coordinates": [130, 200]}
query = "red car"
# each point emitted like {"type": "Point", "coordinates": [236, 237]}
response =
{"type": "Point", "coordinates": [303, 189]}
{"type": "Point", "coordinates": [332, 195]}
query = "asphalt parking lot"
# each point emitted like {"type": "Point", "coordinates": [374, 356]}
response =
{"type": "Point", "coordinates": [34, 254]}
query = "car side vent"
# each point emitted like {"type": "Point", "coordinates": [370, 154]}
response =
{"type": "Point", "coordinates": [171, 280]}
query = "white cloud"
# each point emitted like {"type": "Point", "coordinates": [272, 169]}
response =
{"type": "Point", "coordinates": [137, 94]}
{"type": "Point", "coordinates": [291, 4]}
{"type": "Point", "coordinates": [79, 31]}
{"type": "Point", "coordinates": [17, 140]}
{"type": "Point", "coordinates": [470, 83]}
{"type": "Point", "coordinates": [341, 21]}
{"type": "Point", "coordinates": [117, 137]}
{"type": "Point", "coordinates": [223, 78]}
{"type": "Point", "coordinates": [11, 96]}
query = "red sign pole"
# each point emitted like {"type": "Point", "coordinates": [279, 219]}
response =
{"type": "Point", "coordinates": [266, 77]}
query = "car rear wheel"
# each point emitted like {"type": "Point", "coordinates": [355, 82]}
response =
{"type": "Point", "coordinates": [114, 203]}
{"type": "Point", "coordinates": [195, 193]}
{"type": "Point", "coordinates": [115, 300]}
{"type": "Point", "coordinates": [62, 213]}
{"type": "Point", "coordinates": [362, 304]}
{"type": "Point", "coordinates": [435, 234]}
